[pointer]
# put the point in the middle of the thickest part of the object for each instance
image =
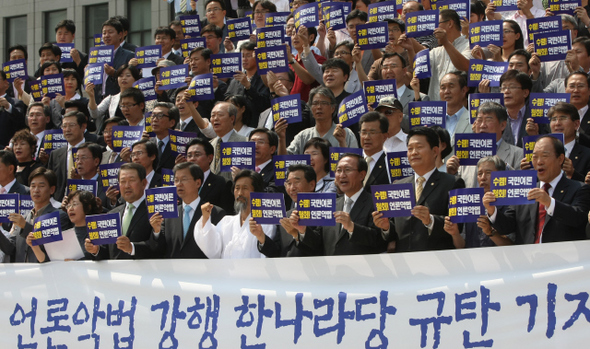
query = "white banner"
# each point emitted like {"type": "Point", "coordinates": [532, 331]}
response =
{"type": "Point", "coordinates": [532, 296]}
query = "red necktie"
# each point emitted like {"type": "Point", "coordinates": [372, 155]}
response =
{"type": "Point", "coordinates": [541, 216]}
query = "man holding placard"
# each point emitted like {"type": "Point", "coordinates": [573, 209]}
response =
{"type": "Point", "coordinates": [65, 33]}
{"type": "Point", "coordinates": [8, 185]}
{"type": "Point", "coordinates": [42, 183]}
{"type": "Point", "coordinates": [164, 118]}
{"type": "Point", "coordinates": [113, 34]}
{"type": "Point", "coordinates": [12, 112]}
{"type": "Point", "coordinates": [560, 208]}
{"type": "Point", "coordinates": [179, 241]}
{"type": "Point", "coordinates": [516, 87]}
{"type": "Point", "coordinates": [373, 131]}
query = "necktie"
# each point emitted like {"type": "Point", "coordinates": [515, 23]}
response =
{"type": "Point", "coordinates": [419, 187]}
{"type": "Point", "coordinates": [182, 5]}
{"type": "Point", "coordinates": [127, 218]}
{"type": "Point", "coordinates": [160, 148]}
{"type": "Point", "coordinates": [70, 163]}
{"type": "Point", "coordinates": [216, 164]}
{"type": "Point", "coordinates": [186, 221]}
{"type": "Point", "coordinates": [2, 190]}
{"type": "Point", "coordinates": [112, 157]}
{"type": "Point", "coordinates": [347, 206]}
{"type": "Point", "coordinates": [541, 216]}
{"type": "Point", "coordinates": [257, 169]}
{"type": "Point", "coordinates": [369, 161]}
{"type": "Point", "coordinates": [182, 125]}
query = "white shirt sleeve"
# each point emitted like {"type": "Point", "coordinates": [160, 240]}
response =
{"type": "Point", "coordinates": [209, 238]}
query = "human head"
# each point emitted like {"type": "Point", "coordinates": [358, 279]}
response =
{"type": "Point", "coordinates": [394, 66]}
{"type": "Point", "coordinates": [319, 151]}
{"type": "Point", "coordinates": [485, 167]}
{"type": "Point", "coordinates": [50, 68]}
{"type": "Point", "coordinates": [491, 118]}
{"type": "Point", "coordinates": [354, 18]}
{"type": "Point", "coordinates": [165, 37]}
{"type": "Point", "coordinates": [8, 164]}
{"type": "Point", "coordinates": [177, 27]}
{"type": "Point", "coordinates": [516, 87]}
{"type": "Point", "coordinates": [444, 141]}
{"type": "Point", "coordinates": [361, 5]}
{"type": "Point", "coordinates": [223, 118]}
{"type": "Point", "coordinates": [300, 179]}
{"type": "Point", "coordinates": [453, 89]}
{"type": "Point", "coordinates": [246, 182]}
{"type": "Point", "coordinates": [513, 35]}
{"type": "Point", "coordinates": [259, 9]}
{"type": "Point", "coordinates": [335, 73]}
{"type": "Point", "coordinates": [188, 178]}
{"type": "Point", "coordinates": [266, 142]}
{"type": "Point", "coordinates": [248, 58]}
{"type": "Point", "coordinates": [343, 51]}
{"type": "Point", "coordinates": [42, 183]}
{"type": "Point", "coordinates": [519, 60]}
{"type": "Point", "coordinates": [450, 21]}
{"type": "Point", "coordinates": [112, 32]}
{"type": "Point", "coordinates": [145, 153]}
{"type": "Point", "coordinates": [49, 52]}
{"type": "Point", "coordinates": [200, 60]}
{"type": "Point", "coordinates": [564, 118]}
{"type": "Point", "coordinates": [373, 131]}
{"type": "Point", "coordinates": [17, 52]}
{"type": "Point", "coordinates": [244, 114]}
{"type": "Point", "coordinates": [409, 7]}
{"type": "Point", "coordinates": [581, 47]}
{"type": "Point", "coordinates": [108, 128]}
{"type": "Point", "coordinates": [88, 206]}
{"type": "Point", "coordinates": [4, 84]}
{"type": "Point", "coordinates": [323, 103]}
{"type": "Point", "coordinates": [24, 145]}
{"type": "Point", "coordinates": [199, 151]}
{"type": "Point", "coordinates": [215, 12]}
{"type": "Point", "coordinates": [577, 85]}
{"type": "Point", "coordinates": [132, 181]}
{"type": "Point", "coordinates": [126, 75]}
{"type": "Point", "coordinates": [422, 149]}
{"type": "Point", "coordinates": [478, 11]}
{"type": "Point", "coordinates": [165, 116]}
{"type": "Point", "coordinates": [38, 116]}
{"type": "Point", "coordinates": [548, 157]}
{"type": "Point", "coordinates": [72, 81]}
{"type": "Point", "coordinates": [73, 126]}
{"type": "Point", "coordinates": [213, 36]}
{"type": "Point", "coordinates": [568, 22]}
{"type": "Point", "coordinates": [396, 27]}
{"type": "Point", "coordinates": [89, 157]}
{"type": "Point", "coordinates": [132, 104]}
{"type": "Point", "coordinates": [350, 173]}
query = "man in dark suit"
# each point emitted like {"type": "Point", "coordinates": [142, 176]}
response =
{"type": "Point", "coordinates": [61, 161]}
{"type": "Point", "coordinates": [145, 153]}
{"type": "Point", "coordinates": [135, 226]}
{"type": "Point", "coordinates": [189, 115]}
{"type": "Point", "coordinates": [300, 179]}
{"type": "Point", "coordinates": [374, 126]}
{"type": "Point", "coordinates": [424, 229]}
{"type": "Point", "coordinates": [12, 113]}
{"type": "Point", "coordinates": [42, 185]}
{"type": "Point", "coordinates": [354, 232]}
{"type": "Point", "coordinates": [164, 118]}
{"type": "Point", "coordinates": [266, 146]}
{"type": "Point", "coordinates": [223, 117]}
{"type": "Point", "coordinates": [65, 32]}
{"type": "Point", "coordinates": [560, 210]}
{"type": "Point", "coordinates": [166, 37]}
{"type": "Point", "coordinates": [113, 34]}
{"type": "Point", "coordinates": [9, 185]}
{"type": "Point", "coordinates": [577, 84]}
{"type": "Point", "coordinates": [87, 161]}
{"type": "Point", "coordinates": [179, 240]}
{"type": "Point", "coordinates": [126, 25]}
{"type": "Point", "coordinates": [214, 189]}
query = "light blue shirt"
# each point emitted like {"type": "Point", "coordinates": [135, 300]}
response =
{"type": "Point", "coordinates": [452, 121]}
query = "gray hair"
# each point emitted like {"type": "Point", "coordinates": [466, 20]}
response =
{"type": "Point", "coordinates": [499, 164]}
{"type": "Point", "coordinates": [324, 91]}
{"type": "Point", "coordinates": [494, 108]}
{"type": "Point", "coordinates": [570, 19]}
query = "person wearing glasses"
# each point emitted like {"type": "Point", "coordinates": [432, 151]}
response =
{"type": "Point", "coordinates": [323, 106]}
{"type": "Point", "coordinates": [216, 12]}
{"type": "Point", "coordinates": [164, 118]}
{"type": "Point", "coordinates": [61, 161]}
{"type": "Point", "coordinates": [145, 153]}
{"type": "Point", "coordinates": [109, 107]}
{"type": "Point", "coordinates": [259, 10]}
{"type": "Point", "coordinates": [373, 131]}
{"type": "Point", "coordinates": [266, 146]}
{"type": "Point", "coordinates": [88, 159]}
{"type": "Point", "coordinates": [132, 105]}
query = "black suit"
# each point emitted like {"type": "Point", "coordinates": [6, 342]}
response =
{"type": "Point", "coordinates": [58, 163]}
{"type": "Point", "coordinates": [379, 174]}
{"type": "Point", "coordinates": [156, 181]}
{"type": "Point", "coordinates": [569, 220]}
{"type": "Point", "coordinates": [510, 138]}
{"type": "Point", "coordinates": [193, 128]}
{"type": "Point", "coordinates": [139, 233]}
{"type": "Point", "coordinates": [177, 246]}
{"type": "Point", "coordinates": [258, 96]}
{"type": "Point", "coordinates": [205, 107]}
{"type": "Point", "coordinates": [283, 245]}
{"type": "Point", "coordinates": [365, 239]}
{"type": "Point", "coordinates": [580, 156]}
{"type": "Point", "coordinates": [218, 192]}
{"type": "Point", "coordinates": [129, 47]}
{"type": "Point", "coordinates": [166, 160]}
{"type": "Point", "coordinates": [176, 59]}
{"type": "Point", "coordinates": [121, 57]}
{"type": "Point", "coordinates": [11, 122]}
{"type": "Point", "coordinates": [268, 174]}
{"type": "Point", "coordinates": [411, 233]}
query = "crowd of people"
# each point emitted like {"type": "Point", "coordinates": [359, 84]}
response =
{"type": "Point", "coordinates": [326, 66]}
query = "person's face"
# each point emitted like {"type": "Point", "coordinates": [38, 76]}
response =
{"type": "Point", "coordinates": [70, 84]}
{"type": "Point", "coordinates": [40, 190]}
{"type": "Point", "coordinates": [348, 178]}
{"type": "Point", "coordinates": [64, 36]}
{"type": "Point", "coordinates": [242, 190]}
{"type": "Point", "coordinates": [372, 138]}
{"type": "Point", "coordinates": [16, 54]}
{"type": "Point", "coordinates": [393, 115]}
{"type": "Point", "coordinates": [86, 165]}
{"type": "Point", "coordinates": [519, 63]}
{"type": "Point", "coordinates": [131, 109]}
{"type": "Point", "coordinates": [198, 64]}
{"type": "Point", "coordinates": [52, 69]}
{"type": "Point", "coordinates": [73, 133]}
{"type": "Point", "coordinates": [110, 36]}
{"type": "Point", "coordinates": [545, 160]}
{"type": "Point", "coordinates": [212, 41]}
{"type": "Point", "coordinates": [392, 68]}
{"type": "Point", "coordinates": [248, 60]}
{"type": "Point", "coordinates": [317, 159]}
{"type": "Point", "coordinates": [351, 27]}
{"type": "Point", "coordinates": [214, 13]}
{"type": "Point", "coordinates": [474, 18]}
{"type": "Point", "coordinates": [296, 183]}
{"type": "Point", "coordinates": [514, 95]}
{"type": "Point", "coordinates": [165, 41]}
{"type": "Point", "coordinates": [489, 123]}
{"type": "Point", "coordinates": [577, 87]}
{"type": "Point", "coordinates": [180, 103]}
{"type": "Point", "coordinates": [186, 186]}
{"type": "Point", "coordinates": [451, 90]}
{"type": "Point", "coordinates": [22, 151]}
{"type": "Point", "coordinates": [344, 54]}
{"type": "Point", "coordinates": [76, 211]}
{"type": "Point", "coordinates": [179, 34]}
{"type": "Point", "coordinates": [284, 79]}
{"type": "Point", "coordinates": [394, 32]}
{"type": "Point", "coordinates": [139, 155]}
{"type": "Point", "coordinates": [6, 173]}
{"type": "Point", "coordinates": [263, 149]}
{"type": "Point", "coordinates": [197, 155]}
{"type": "Point", "coordinates": [47, 55]}
{"type": "Point", "coordinates": [297, 3]}
{"type": "Point", "coordinates": [37, 119]}
{"type": "Point", "coordinates": [420, 155]}
{"type": "Point", "coordinates": [290, 26]}
{"type": "Point", "coordinates": [4, 85]}
{"type": "Point", "coordinates": [410, 6]}
{"type": "Point", "coordinates": [220, 120]}
{"type": "Point", "coordinates": [108, 133]}
{"type": "Point", "coordinates": [321, 108]}
{"type": "Point", "coordinates": [259, 18]}
{"type": "Point", "coordinates": [125, 79]}
{"type": "Point", "coordinates": [161, 120]}
{"type": "Point", "coordinates": [561, 122]}
{"type": "Point", "coordinates": [130, 186]}
{"type": "Point", "coordinates": [334, 78]}
{"type": "Point", "coordinates": [569, 26]}
{"type": "Point", "coordinates": [510, 36]}
{"type": "Point", "coordinates": [361, 6]}
{"type": "Point", "coordinates": [582, 54]}
{"type": "Point", "coordinates": [484, 174]}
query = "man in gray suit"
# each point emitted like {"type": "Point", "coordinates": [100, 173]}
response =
{"type": "Point", "coordinates": [491, 118]}
{"type": "Point", "coordinates": [453, 90]}
{"type": "Point", "coordinates": [223, 117]}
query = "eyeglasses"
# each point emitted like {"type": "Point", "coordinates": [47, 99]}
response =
{"type": "Point", "coordinates": [64, 126]}
{"type": "Point", "coordinates": [72, 205]}
{"type": "Point", "coordinates": [507, 31]}
{"type": "Point", "coordinates": [511, 88]}
{"type": "Point", "coordinates": [127, 106]}
{"type": "Point", "coordinates": [181, 181]}
{"type": "Point", "coordinates": [341, 53]}
{"type": "Point", "coordinates": [559, 118]}
{"type": "Point", "coordinates": [346, 171]}
{"type": "Point", "coordinates": [261, 12]}
{"type": "Point", "coordinates": [159, 116]}
{"type": "Point", "coordinates": [369, 133]}
{"type": "Point", "coordinates": [136, 154]}
{"type": "Point", "coordinates": [215, 9]}
{"type": "Point", "coordinates": [579, 87]}
{"type": "Point", "coordinates": [320, 103]}
{"type": "Point", "coordinates": [395, 30]}
{"type": "Point", "coordinates": [84, 158]}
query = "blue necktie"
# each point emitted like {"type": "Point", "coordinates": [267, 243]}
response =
{"type": "Point", "coordinates": [186, 221]}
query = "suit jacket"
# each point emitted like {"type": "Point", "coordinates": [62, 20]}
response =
{"type": "Point", "coordinates": [411, 233]}
{"type": "Point", "coordinates": [215, 166]}
{"type": "Point", "coordinates": [129, 47]}
{"type": "Point", "coordinates": [283, 245]}
{"type": "Point", "coordinates": [379, 174]}
{"type": "Point", "coordinates": [107, 154]}
{"type": "Point", "coordinates": [11, 122]}
{"type": "Point", "coordinates": [366, 238]}
{"type": "Point", "coordinates": [268, 174]}
{"type": "Point", "coordinates": [139, 233]}
{"type": "Point", "coordinates": [217, 191]}
{"type": "Point", "coordinates": [509, 137]}
{"type": "Point", "coordinates": [511, 155]}
{"type": "Point", "coordinates": [156, 181]}
{"type": "Point", "coordinates": [580, 156]}
{"type": "Point", "coordinates": [121, 57]}
{"type": "Point", "coordinates": [405, 99]}
{"type": "Point", "coordinates": [174, 244]}
{"type": "Point", "coordinates": [166, 160]}
{"type": "Point", "coordinates": [193, 128]}
{"type": "Point", "coordinates": [58, 163]}
{"type": "Point", "coordinates": [569, 220]}
{"type": "Point", "coordinates": [175, 58]}
{"type": "Point", "coordinates": [16, 188]}
{"type": "Point", "coordinates": [258, 96]}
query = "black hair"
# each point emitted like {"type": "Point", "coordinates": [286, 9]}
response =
{"type": "Point", "coordinates": [150, 147]}
{"type": "Point", "coordinates": [48, 64]}
{"type": "Point", "coordinates": [134, 93]}
{"type": "Point", "coordinates": [451, 15]}
{"type": "Point", "coordinates": [273, 138]}
{"type": "Point", "coordinates": [323, 145]}
{"type": "Point", "coordinates": [337, 63]}
{"type": "Point", "coordinates": [565, 108]}
{"type": "Point", "coordinates": [240, 101]}
{"type": "Point", "coordinates": [165, 31]}
{"type": "Point", "coordinates": [48, 174]}
{"type": "Point", "coordinates": [95, 149]}
{"type": "Point", "coordinates": [308, 172]}
{"type": "Point", "coordinates": [20, 48]}
{"type": "Point", "coordinates": [375, 116]}
{"type": "Point", "coordinates": [212, 28]}
{"type": "Point", "coordinates": [357, 14]}
{"type": "Point", "coordinates": [68, 24]}
{"type": "Point", "coordinates": [133, 166]}
{"type": "Point", "coordinates": [220, 2]}
{"type": "Point", "coordinates": [194, 169]}
{"type": "Point", "coordinates": [523, 79]}
{"type": "Point", "coordinates": [51, 47]}
{"type": "Point", "coordinates": [255, 177]}
{"type": "Point", "coordinates": [362, 163]}
{"type": "Point", "coordinates": [8, 158]}
{"type": "Point", "coordinates": [429, 133]}
{"type": "Point", "coordinates": [200, 141]}
{"type": "Point", "coordinates": [444, 137]}
{"type": "Point", "coordinates": [112, 22]}
{"type": "Point", "coordinates": [173, 112]}
{"type": "Point", "coordinates": [80, 117]}
{"type": "Point", "coordinates": [136, 73]}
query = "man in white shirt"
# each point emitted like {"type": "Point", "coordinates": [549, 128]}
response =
{"type": "Point", "coordinates": [266, 146]}
{"type": "Point", "coordinates": [453, 90]}
{"type": "Point", "coordinates": [38, 117]}
{"type": "Point", "coordinates": [145, 153]}
{"type": "Point", "coordinates": [234, 236]}
{"type": "Point", "coordinates": [393, 111]}
{"type": "Point", "coordinates": [223, 117]}
{"type": "Point", "coordinates": [373, 131]}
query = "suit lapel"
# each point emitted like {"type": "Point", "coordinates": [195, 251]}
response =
{"type": "Point", "coordinates": [378, 169]}
{"type": "Point", "coordinates": [428, 187]}
{"type": "Point", "coordinates": [340, 207]}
